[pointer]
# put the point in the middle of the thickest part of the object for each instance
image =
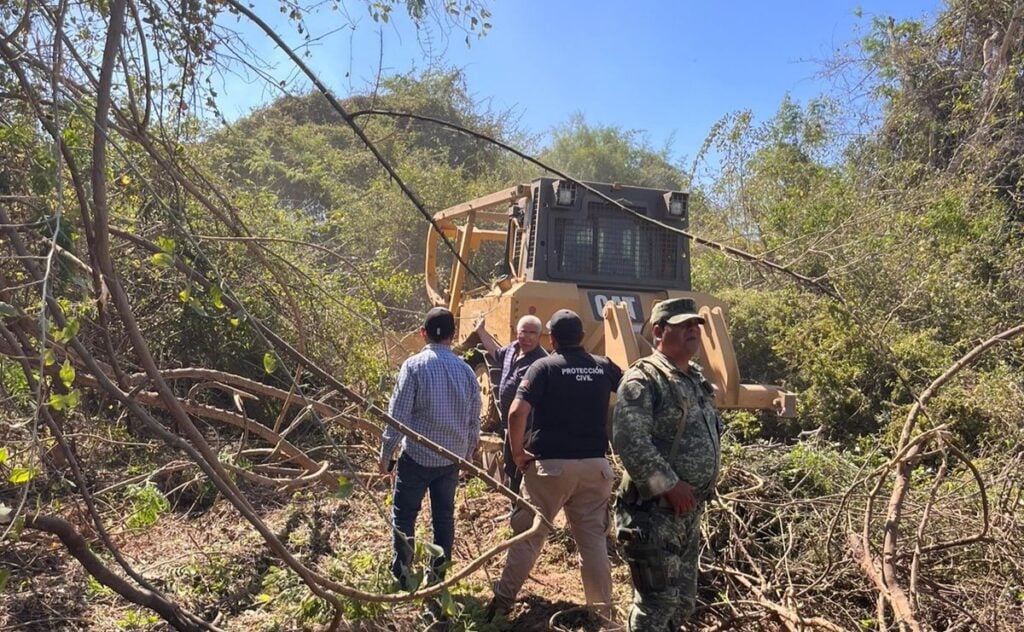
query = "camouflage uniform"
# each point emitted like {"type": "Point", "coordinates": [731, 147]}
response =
{"type": "Point", "coordinates": [665, 429]}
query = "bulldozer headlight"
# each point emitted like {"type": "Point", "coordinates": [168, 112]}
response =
{"type": "Point", "coordinates": [565, 193]}
{"type": "Point", "coordinates": [677, 203]}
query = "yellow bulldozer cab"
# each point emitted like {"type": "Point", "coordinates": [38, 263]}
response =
{"type": "Point", "coordinates": [615, 317]}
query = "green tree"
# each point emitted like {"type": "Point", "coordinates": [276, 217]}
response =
{"type": "Point", "coordinates": [953, 93]}
{"type": "Point", "coordinates": [301, 151]}
{"type": "Point", "coordinates": [611, 154]}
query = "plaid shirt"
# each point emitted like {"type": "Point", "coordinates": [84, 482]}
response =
{"type": "Point", "coordinates": [436, 395]}
{"type": "Point", "coordinates": [512, 371]}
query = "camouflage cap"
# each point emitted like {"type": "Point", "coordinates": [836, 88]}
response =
{"type": "Point", "coordinates": [675, 311]}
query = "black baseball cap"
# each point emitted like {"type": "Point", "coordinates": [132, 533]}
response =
{"type": "Point", "coordinates": [439, 324]}
{"type": "Point", "coordinates": [566, 327]}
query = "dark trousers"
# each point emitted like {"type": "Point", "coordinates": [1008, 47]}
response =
{"type": "Point", "coordinates": [412, 481]}
{"type": "Point", "coordinates": [513, 477]}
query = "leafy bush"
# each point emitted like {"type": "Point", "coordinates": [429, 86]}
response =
{"type": "Point", "coordinates": [148, 503]}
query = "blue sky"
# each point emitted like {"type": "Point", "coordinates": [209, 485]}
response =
{"type": "Point", "coordinates": [670, 69]}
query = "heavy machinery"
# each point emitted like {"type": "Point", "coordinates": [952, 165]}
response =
{"type": "Point", "coordinates": [565, 247]}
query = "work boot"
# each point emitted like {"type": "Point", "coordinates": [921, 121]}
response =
{"type": "Point", "coordinates": [435, 610]}
{"type": "Point", "coordinates": [497, 607]}
{"type": "Point", "coordinates": [606, 616]}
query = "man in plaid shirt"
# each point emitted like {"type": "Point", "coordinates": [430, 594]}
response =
{"type": "Point", "coordinates": [437, 396]}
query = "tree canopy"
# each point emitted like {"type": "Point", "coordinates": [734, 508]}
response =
{"type": "Point", "coordinates": [609, 153]}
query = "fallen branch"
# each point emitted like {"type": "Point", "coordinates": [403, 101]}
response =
{"type": "Point", "coordinates": [231, 382]}
{"type": "Point", "coordinates": [80, 550]}
{"type": "Point", "coordinates": [908, 449]}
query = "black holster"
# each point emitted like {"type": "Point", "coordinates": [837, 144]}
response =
{"type": "Point", "coordinates": [645, 559]}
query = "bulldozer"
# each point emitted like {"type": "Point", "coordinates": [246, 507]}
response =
{"type": "Point", "coordinates": [563, 245]}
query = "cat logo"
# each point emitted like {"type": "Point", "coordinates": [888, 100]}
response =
{"type": "Point", "coordinates": [632, 302]}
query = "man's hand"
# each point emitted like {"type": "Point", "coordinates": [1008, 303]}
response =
{"type": "Point", "coordinates": [517, 416]}
{"type": "Point", "coordinates": [681, 498]}
{"type": "Point", "coordinates": [387, 468]}
{"type": "Point", "coordinates": [522, 459]}
{"type": "Point", "coordinates": [491, 345]}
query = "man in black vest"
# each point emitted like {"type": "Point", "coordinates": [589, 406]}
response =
{"type": "Point", "coordinates": [563, 459]}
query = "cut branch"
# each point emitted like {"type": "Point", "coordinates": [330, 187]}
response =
{"type": "Point", "coordinates": [80, 550]}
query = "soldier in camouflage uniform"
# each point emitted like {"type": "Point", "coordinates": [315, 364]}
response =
{"type": "Point", "coordinates": [667, 434]}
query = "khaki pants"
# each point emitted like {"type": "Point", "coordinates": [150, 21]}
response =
{"type": "Point", "coordinates": [581, 487]}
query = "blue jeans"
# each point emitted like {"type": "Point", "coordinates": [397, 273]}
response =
{"type": "Point", "coordinates": [412, 481]}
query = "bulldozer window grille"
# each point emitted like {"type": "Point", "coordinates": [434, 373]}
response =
{"type": "Point", "coordinates": [531, 227]}
{"type": "Point", "coordinates": [516, 251]}
{"type": "Point", "coordinates": [609, 243]}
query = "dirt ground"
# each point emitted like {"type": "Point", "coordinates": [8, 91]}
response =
{"type": "Point", "coordinates": [212, 562]}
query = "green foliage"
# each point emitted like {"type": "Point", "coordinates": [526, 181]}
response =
{"type": "Point", "coordinates": [911, 235]}
{"type": "Point", "coordinates": [313, 609]}
{"type": "Point", "coordinates": [69, 331]}
{"type": "Point", "coordinates": [27, 162]}
{"type": "Point", "coordinates": [813, 470]}
{"type": "Point", "coordinates": [269, 362]}
{"type": "Point", "coordinates": [95, 590]}
{"type": "Point", "coordinates": [14, 381]}
{"type": "Point", "coordinates": [311, 161]}
{"type": "Point", "coordinates": [475, 488]}
{"type": "Point", "coordinates": [162, 260]}
{"type": "Point", "coordinates": [471, 15]}
{"type": "Point", "coordinates": [21, 475]}
{"type": "Point", "coordinates": [294, 600]}
{"type": "Point", "coordinates": [345, 487]}
{"type": "Point", "coordinates": [612, 154]}
{"type": "Point", "coordinates": [66, 401]}
{"type": "Point", "coordinates": [136, 620]}
{"type": "Point", "coordinates": [67, 373]}
{"type": "Point", "coordinates": [213, 579]}
{"type": "Point", "coordinates": [17, 467]}
{"type": "Point", "coordinates": [745, 425]}
{"type": "Point", "coordinates": [366, 570]}
{"type": "Point", "coordinates": [354, 243]}
{"type": "Point", "coordinates": [951, 93]}
{"type": "Point", "coordinates": [925, 266]}
{"type": "Point", "coordinates": [148, 503]}
{"type": "Point", "coordinates": [798, 342]}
